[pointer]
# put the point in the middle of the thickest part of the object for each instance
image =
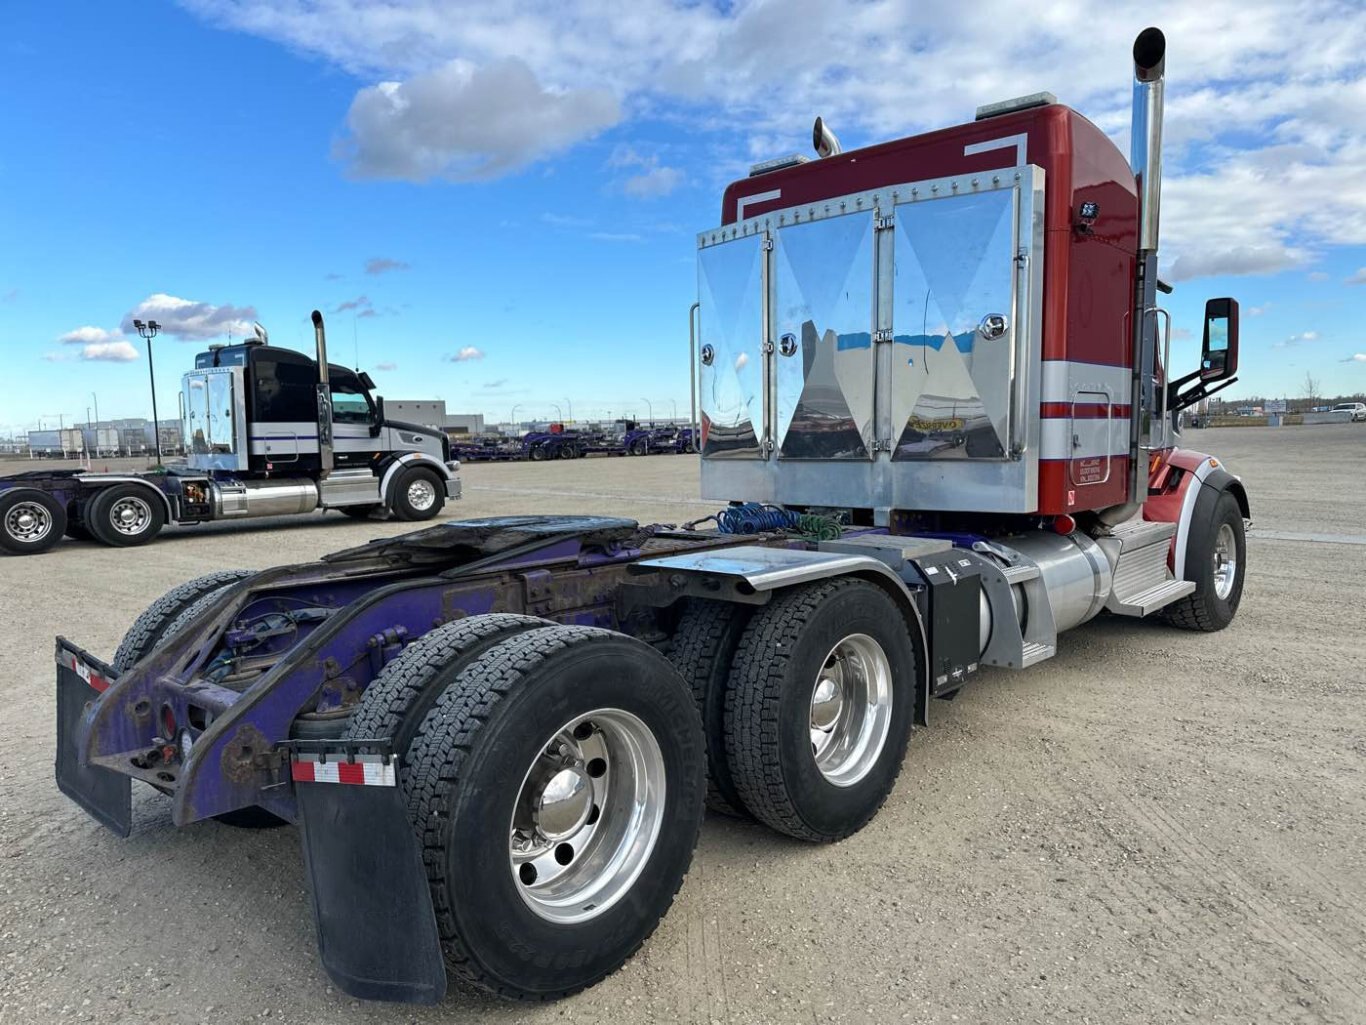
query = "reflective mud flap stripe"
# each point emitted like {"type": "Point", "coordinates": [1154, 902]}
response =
{"type": "Point", "coordinates": [106, 795]}
{"type": "Point", "coordinates": [377, 931]}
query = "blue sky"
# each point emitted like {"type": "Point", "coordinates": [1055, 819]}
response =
{"type": "Point", "coordinates": [521, 184]}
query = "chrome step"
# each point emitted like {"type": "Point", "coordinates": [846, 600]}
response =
{"type": "Point", "coordinates": [1154, 598]}
{"type": "Point", "coordinates": [1142, 582]}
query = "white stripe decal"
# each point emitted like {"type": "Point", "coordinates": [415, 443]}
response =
{"type": "Point", "coordinates": [1065, 438]}
{"type": "Point", "coordinates": [1020, 142]}
{"type": "Point", "coordinates": [758, 197]}
{"type": "Point", "coordinates": [1183, 525]}
{"type": "Point", "coordinates": [1062, 378]}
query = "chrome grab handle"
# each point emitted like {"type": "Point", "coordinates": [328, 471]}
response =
{"type": "Point", "coordinates": [693, 316]}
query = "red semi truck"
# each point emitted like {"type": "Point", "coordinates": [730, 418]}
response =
{"type": "Point", "coordinates": [935, 392]}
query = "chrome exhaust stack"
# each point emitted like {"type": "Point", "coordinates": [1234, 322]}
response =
{"type": "Point", "coordinates": [324, 397]}
{"type": "Point", "coordinates": [826, 142]}
{"type": "Point", "coordinates": [1145, 144]}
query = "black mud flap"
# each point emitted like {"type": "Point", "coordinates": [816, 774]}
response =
{"type": "Point", "coordinates": [377, 931]}
{"type": "Point", "coordinates": [106, 795]}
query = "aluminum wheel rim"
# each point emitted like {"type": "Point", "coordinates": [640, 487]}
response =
{"type": "Point", "coordinates": [28, 522]}
{"type": "Point", "coordinates": [587, 816]}
{"type": "Point", "coordinates": [1225, 561]}
{"type": "Point", "coordinates": [851, 710]}
{"type": "Point", "coordinates": [421, 495]}
{"type": "Point", "coordinates": [130, 515]}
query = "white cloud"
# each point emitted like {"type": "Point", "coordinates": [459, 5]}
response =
{"type": "Point", "coordinates": [383, 265]}
{"type": "Point", "coordinates": [110, 352]}
{"type": "Point", "coordinates": [466, 354]}
{"type": "Point", "coordinates": [615, 236]}
{"type": "Point", "coordinates": [658, 181]}
{"type": "Point", "coordinates": [1257, 311]}
{"type": "Point", "coordinates": [360, 302]}
{"type": "Point", "coordinates": [1266, 128]}
{"type": "Point", "coordinates": [1297, 339]}
{"type": "Point", "coordinates": [90, 336]}
{"type": "Point", "coordinates": [1359, 357]}
{"type": "Point", "coordinates": [465, 123]}
{"type": "Point", "coordinates": [1359, 278]}
{"type": "Point", "coordinates": [59, 357]}
{"type": "Point", "coordinates": [1317, 275]}
{"type": "Point", "coordinates": [189, 320]}
{"type": "Point", "coordinates": [386, 366]}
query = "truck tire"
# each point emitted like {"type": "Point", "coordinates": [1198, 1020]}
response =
{"type": "Point", "coordinates": [156, 621]}
{"type": "Point", "coordinates": [703, 647]}
{"type": "Point", "coordinates": [1216, 559]}
{"type": "Point", "coordinates": [820, 707]}
{"type": "Point", "coordinates": [418, 494]}
{"type": "Point", "coordinates": [640, 447]}
{"type": "Point", "coordinates": [537, 453]}
{"type": "Point", "coordinates": [30, 521]}
{"type": "Point", "coordinates": [125, 515]}
{"type": "Point", "coordinates": [399, 697]}
{"type": "Point", "coordinates": [557, 790]}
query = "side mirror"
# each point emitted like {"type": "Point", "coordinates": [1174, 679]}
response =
{"type": "Point", "coordinates": [1219, 351]}
{"type": "Point", "coordinates": [366, 381]}
{"type": "Point", "coordinates": [378, 425]}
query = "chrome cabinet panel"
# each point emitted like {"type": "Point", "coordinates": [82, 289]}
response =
{"type": "Point", "coordinates": [730, 287]}
{"type": "Point", "coordinates": [213, 404]}
{"type": "Point", "coordinates": [823, 321]}
{"type": "Point", "coordinates": [954, 331]}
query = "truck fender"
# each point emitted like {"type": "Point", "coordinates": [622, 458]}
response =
{"type": "Point", "coordinates": [392, 469]}
{"type": "Point", "coordinates": [1205, 478]}
{"type": "Point", "coordinates": [102, 481]}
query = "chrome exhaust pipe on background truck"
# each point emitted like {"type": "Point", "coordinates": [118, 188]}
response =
{"type": "Point", "coordinates": [324, 397]}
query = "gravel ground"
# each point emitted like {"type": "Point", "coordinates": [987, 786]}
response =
{"type": "Point", "coordinates": [1153, 826]}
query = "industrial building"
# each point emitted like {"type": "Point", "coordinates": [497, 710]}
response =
{"type": "Point", "coordinates": [432, 413]}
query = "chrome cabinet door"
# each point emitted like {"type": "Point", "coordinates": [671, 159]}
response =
{"type": "Point", "coordinates": [731, 312]}
{"type": "Point", "coordinates": [953, 326]}
{"type": "Point", "coordinates": [824, 359]}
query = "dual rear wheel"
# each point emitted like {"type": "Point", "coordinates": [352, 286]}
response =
{"type": "Point", "coordinates": [554, 778]}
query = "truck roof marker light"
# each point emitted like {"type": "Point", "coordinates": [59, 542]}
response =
{"type": "Point", "coordinates": [1064, 524]}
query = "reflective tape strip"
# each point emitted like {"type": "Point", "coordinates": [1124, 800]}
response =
{"type": "Point", "coordinates": [97, 682]}
{"type": "Point", "coordinates": [365, 771]}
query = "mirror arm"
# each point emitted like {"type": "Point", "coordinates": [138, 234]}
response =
{"type": "Point", "coordinates": [1197, 394]}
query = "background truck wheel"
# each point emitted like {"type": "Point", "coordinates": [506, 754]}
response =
{"type": "Point", "coordinates": [556, 786]}
{"type": "Point", "coordinates": [125, 515]}
{"type": "Point", "coordinates": [820, 707]}
{"type": "Point", "coordinates": [1216, 559]}
{"type": "Point", "coordinates": [703, 646]}
{"type": "Point", "coordinates": [538, 453]}
{"type": "Point", "coordinates": [640, 447]}
{"type": "Point", "coordinates": [30, 521]}
{"type": "Point", "coordinates": [419, 494]}
{"type": "Point", "coordinates": [154, 625]}
{"type": "Point", "coordinates": [360, 512]}
{"type": "Point", "coordinates": [399, 697]}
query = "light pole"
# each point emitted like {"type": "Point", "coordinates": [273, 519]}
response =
{"type": "Point", "coordinates": [559, 413]}
{"type": "Point", "coordinates": [570, 406]}
{"type": "Point", "coordinates": [149, 331]}
{"type": "Point", "coordinates": [513, 415]}
{"type": "Point", "coordinates": [651, 410]}
{"type": "Point", "coordinates": [674, 403]}
{"type": "Point", "coordinates": [96, 399]}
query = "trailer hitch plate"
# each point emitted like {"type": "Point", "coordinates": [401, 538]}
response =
{"type": "Point", "coordinates": [106, 795]}
{"type": "Point", "coordinates": [372, 905]}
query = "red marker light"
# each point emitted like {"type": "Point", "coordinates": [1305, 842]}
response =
{"type": "Point", "coordinates": [1064, 524]}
